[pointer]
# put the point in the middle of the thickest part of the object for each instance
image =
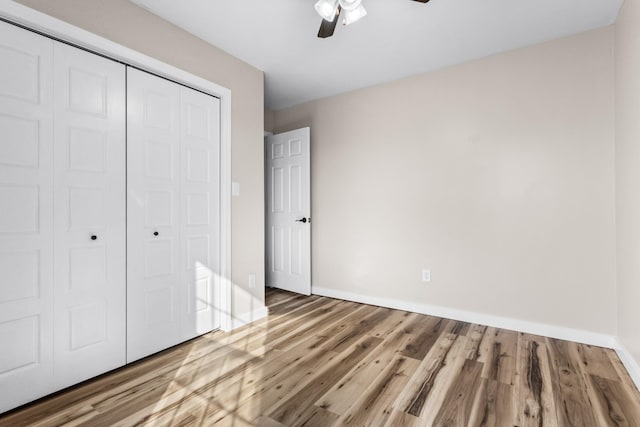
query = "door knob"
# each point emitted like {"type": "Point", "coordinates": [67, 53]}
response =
{"type": "Point", "coordinates": [302, 220]}
{"type": "Point", "coordinates": [94, 237]}
{"type": "Point", "coordinates": [155, 233]}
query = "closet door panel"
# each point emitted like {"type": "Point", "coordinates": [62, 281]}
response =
{"type": "Point", "coordinates": [200, 192]}
{"type": "Point", "coordinates": [26, 229]}
{"type": "Point", "coordinates": [89, 215]}
{"type": "Point", "coordinates": [154, 294]}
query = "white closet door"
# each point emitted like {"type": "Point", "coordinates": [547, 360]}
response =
{"type": "Point", "coordinates": [26, 252]}
{"type": "Point", "coordinates": [89, 215]}
{"type": "Point", "coordinates": [154, 294]}
{"type": "Point", "coordinates": [199, 201]}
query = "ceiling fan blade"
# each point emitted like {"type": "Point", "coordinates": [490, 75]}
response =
{"type": "Point", "coordinates": [327, 28]}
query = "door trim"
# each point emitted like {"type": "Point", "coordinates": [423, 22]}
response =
{"type": "Point", "coordinates": [54, 28]}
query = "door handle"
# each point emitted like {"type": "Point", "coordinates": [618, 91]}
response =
{"type": "Point", "coordinates": [303, 220]}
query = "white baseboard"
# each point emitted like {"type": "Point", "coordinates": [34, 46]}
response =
{"type": "Point", "coordinates": [629, 362]}
{"type": "Point", "coordinates": [246, 318]}
{"type": "Point", "coordinates": [559, 332]}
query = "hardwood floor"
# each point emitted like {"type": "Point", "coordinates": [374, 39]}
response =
{"type": "Point", "coordinates": [321, 362]}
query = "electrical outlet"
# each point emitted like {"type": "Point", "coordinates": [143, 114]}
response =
{"type": "Point", "coordinates": [426, 275]}
{"type": "Point", "coordinates": [252, 281]}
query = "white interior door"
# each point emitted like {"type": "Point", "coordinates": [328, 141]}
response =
{"type": "Point", "coordinates": [154, 295]}
{"type": "Point", "coordinates": [26, 212]}
{"type": "Point", "coordinates": [288, 210]}
{"type": "Point", "coordinates": [200, 210]}
{"type": "Point", "coordinates": [89, 215]}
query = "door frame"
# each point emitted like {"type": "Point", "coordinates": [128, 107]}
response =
{"type": "Point", "coordinates": [51, 27]}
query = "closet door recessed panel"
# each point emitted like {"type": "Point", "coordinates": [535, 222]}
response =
{"type": "Point", "coordinates": [26, 228]}
{"type": "Point", "coordinates": [89, 212]}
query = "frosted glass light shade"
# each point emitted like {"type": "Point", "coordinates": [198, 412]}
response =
{"type": "Point", "coordinates": [350, 4]}
{"type": "Point", "coordinates": [351, 16]}
{"type": "Point", "coordinates": [327, 9]}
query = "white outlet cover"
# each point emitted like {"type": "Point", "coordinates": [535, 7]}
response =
{"type": "Point", "coordinates": [235, 189]}
{"type": "Point", "coordinates": [426, 275]}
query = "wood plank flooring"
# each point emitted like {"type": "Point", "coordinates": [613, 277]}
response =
{"type": "Point", "coordinates": [323, 362]}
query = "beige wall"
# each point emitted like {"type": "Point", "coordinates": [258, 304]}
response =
{"type": "Point", "coordinates": [131, 26]}
{"type": "Point", "coordinates": [498, 175]}
{"type": "Point", "coordinates": [269, 120]}
{"type": "Point", "coordinates": [627, 46]}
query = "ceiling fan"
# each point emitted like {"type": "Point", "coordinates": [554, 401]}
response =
{"type": "Point", "coordinates": [330, 11]}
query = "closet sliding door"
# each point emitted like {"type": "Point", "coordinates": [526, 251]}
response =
{"type": "Point", "coordinates": [26, 212]}
{"type": "Point", "coordinates": [153, 153]}
{"type": "Point", "coordinates": [200, 211]}
{"type": "Point", "coordinates": [89, 215]}
{"type": "Point", "coordinates": [62, 216]}
{"type": "Point", "coordinates": [172, 213]}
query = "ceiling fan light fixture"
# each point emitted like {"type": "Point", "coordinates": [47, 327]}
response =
{"type": "Point", "coordinates": [327, 9]}
{"type": "Point", "coordinates": [350, 4]}
{"type": "Point", "coordinates": [351, 16]}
